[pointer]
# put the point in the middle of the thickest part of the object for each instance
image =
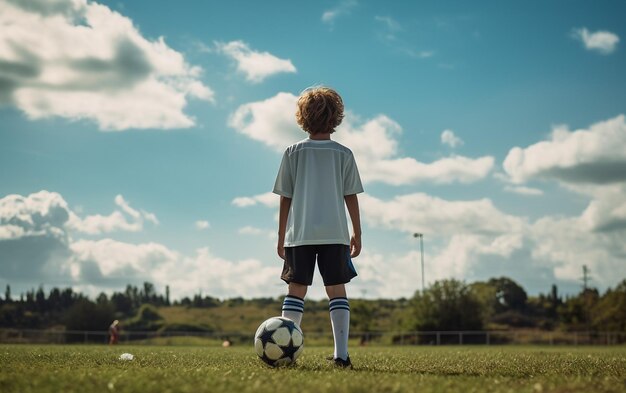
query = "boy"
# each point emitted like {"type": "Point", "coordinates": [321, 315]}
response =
{"type": "Point", "coordinates": [316, 176]}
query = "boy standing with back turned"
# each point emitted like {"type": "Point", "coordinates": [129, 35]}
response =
{"type": "Point", "coordinates": [316, 176]}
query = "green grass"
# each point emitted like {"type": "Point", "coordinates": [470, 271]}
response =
{"type": "Point", "coordinates": [37, 368]}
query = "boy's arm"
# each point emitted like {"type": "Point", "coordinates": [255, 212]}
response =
{"type": "Point", "coordinates": [352, 202]}
{"type": "Point", "coordinates": [283, 213]}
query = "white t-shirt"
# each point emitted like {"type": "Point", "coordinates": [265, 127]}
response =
{"type": "Point", "coordinates": [316, 175]}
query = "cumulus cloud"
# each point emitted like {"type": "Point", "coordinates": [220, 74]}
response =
{"type": "Point", "coordinates": [459, 235]}
{"type": "Point", "coordinates": [40, 214]}
{"type": "Point", "coordinates": [268, 199]}
{"type": "Point", "coordinates": [420, 212]}
{"type": "Point", "coordinates": [449, 138]}
{"type": "Point", "coordinates": [38, 246]}
{"type": "Point", "coordinates": [567, 244]}
{"type": "Point", "coordinates": [603, 42]}
{"type": "Point", "coordinates": [81, 60]}
{"type": "Point", "coordinates": [36, 234]}
{"type": "Point", "coordinates": [590, 162]}
{"type": "Point", "coordinates": [256, 66]}
{"type": "Point", "coordinates": [271, 121]}
{"type": "Point", "coordinates": [607, 210]}
{"type": "Point", "coordinates": [111, 263]}
{"type": "Point", "coordinates": [97, 224]}
{"type": "Point", "coordinates": [463, 234]}
{"type": "Point", "coordinates": [595, 155]}
{"type": "Point", "coordinates": [374, 143]}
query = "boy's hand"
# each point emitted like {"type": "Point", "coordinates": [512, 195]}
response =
{"type": "Point", "coordinates": [355, 246]}
{"type": "Point", "coordinates": [280, 249]}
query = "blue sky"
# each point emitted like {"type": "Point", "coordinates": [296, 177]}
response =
{"type": "Point", "coordinates": [139, 140]}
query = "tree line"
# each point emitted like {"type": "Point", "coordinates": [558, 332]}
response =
{"type": "Point", "coordinates": [498, 303]}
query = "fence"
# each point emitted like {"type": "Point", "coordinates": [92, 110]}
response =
{"type": "Point", "coordinates": [321, 338]}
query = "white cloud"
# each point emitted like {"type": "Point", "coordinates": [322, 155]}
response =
{"type": "Point", "coordinates": [461, 234]}
{"type": "Point", "coordinates": [268, 199]}
{"type": "Point", "coordinates": [590, 162]}
{"type": "Point", "coordinates": [523, 190]}
{"type": "Point", "coordinates": [37, 246]}
{"type": "Point", "coordinates": [448, 138]}
{"type": "Point", "coordinates": [594, 155]}
{"type": "Point", "coordinates": [603, 42]}
{"type": "Point", "coordinates": [607, 210]}
{"type": "Point", "coordinates": [200, 225]}
{"type": "Point", "coordinates": [373, 142]}
{"type": "Point", "coordinates": [567, 244]}
{"type": "Point", "coordinates": [97, 224]}
{"type": "Point", "coordinates": [39, 214]}
{"type": "Point", "coordinates": [112, 263]}
{"type": "Point", "coordinates": [46, 213]}
{"type": "Point", "coordinates": [343, 8]}
{"type": "Point", "coordinates": [423, 213]}
{"type": "Point", "coordinates": [255, 65]}
{"type": "Point", "coordinates": [254, 231]}
{"type": "Point", "coordinates": [271, 121]}
{"type": "Point", "coordinates": [81, 60]}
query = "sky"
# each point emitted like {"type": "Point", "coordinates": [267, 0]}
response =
{"type": "Point", "coordinates": [140, 141]}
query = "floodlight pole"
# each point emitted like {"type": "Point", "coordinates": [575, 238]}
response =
{"type": "Point", "coordinates": [421, 236]}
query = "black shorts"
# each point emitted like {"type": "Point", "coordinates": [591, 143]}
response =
{"type": "Point", "coordinates": [333, 261]}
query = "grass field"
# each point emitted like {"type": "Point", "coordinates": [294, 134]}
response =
{"type": "Point", "coordinates": [37, 368]}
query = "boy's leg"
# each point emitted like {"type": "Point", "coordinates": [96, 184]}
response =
{"type": "Point", "coordinates": [293, 305]}
{"type": "Point", "coordinates": [298, 270]}
{"type": "Point", "coordinates": [340, 318]}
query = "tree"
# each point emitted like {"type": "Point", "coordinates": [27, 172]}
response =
{"type": "Point", "coordinates": [40, 300]}
{"type": "Point", "coordinates": [510, 295]}
{"type": "Point", "coordinates": [485, 293]}
{"type": "Point", "coordinates": [610, 311]}
{"type": "Point", "coordinates": [7, 294]}
{"type": "Point", "coordinates": [86, 315]}
{"type": "Point", "coordinates": [446, 305]}
{"type": "Point", "coordinates": [576, 312]}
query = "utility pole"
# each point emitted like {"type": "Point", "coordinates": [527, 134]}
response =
{"type": "Point", "coordinates": [421, 237]}
{"type": "Point", "coordinates": [585, 278]}
{"type": "Point", "coordinates": [587, 296]}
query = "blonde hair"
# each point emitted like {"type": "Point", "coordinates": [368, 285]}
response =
{"type": "Point", "coordinates": [319, 110]}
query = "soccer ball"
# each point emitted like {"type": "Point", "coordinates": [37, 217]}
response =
{"type": "Point", "coordinates": [279, 341]}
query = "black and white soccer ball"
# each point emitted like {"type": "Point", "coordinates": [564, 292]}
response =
{"type": "Point", "coordinates": [279, 341]}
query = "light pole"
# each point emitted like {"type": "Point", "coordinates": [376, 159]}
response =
{"type": "Point", "coordinates": [421, 236]}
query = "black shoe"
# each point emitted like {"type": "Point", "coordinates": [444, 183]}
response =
{"type": "Point", "coordinates": [339, 362]}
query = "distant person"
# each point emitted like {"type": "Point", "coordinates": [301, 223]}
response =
{"type": "Point", "coordinates": [114, 332]}
{"type": "Point", "coordinates": [316, 177]}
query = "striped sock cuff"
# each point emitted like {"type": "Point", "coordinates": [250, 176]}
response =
{"type": "Point", "coordinates": [338, 303]}
{"type": "Point", "coordinates": [293, 303]}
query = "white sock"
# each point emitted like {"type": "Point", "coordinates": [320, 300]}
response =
{"type": "Point", "coordinates": [340, 320]}
{"type": "Point", "coordinates": [293, 308]}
